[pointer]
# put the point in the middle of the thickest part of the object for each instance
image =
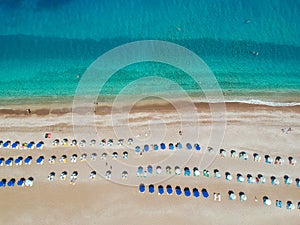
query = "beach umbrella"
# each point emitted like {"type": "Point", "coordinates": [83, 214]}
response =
{"type": "Point", "coordinates": [27, 160]}
{"type": "Point", "coordinates": [30, 145]}
{"type": "Point", "coordinates": [140, 170]}
{"type": "Point", "coordinates": [178, 190]}
{"type": "Point", "coordinates": [40, 160]}
{"type": "Point", "coordinates": [267, 201]}
{"type": "Point", "coordinates": [169, 189]}
{"type": "Point", "coordinates": [82, 143]}
{"type": "Point", "coordinates": [55, 142]}
{"type": "Point", "coordinates": [52, 159]}
{"type": "Point", "coordinates": [47, 135]}
{"type": "Point", "coordinates": [63, 175]}
{"type": "Point", "coordinates": [6, 144]}
{"type": "Point", "coordinates": [19, 161]}
{"type": "Point", "coordinates": [189, 146]}
{"type": "Point", "coordinates": [187, 171]}
{"type": "Point", "coordinates": [232, 196]}
{"type": "Point", "coordinates": [257, 157]}
{"type": "Point", "coordinates": [114, 155]}
{"type": "Point", "coordinates": [155, 147]}
{"type": "Point", "coordinates": [125, 155]}
{"type": "Point", "coordinates": [9, 161]}
{"type": "Point", "coordinates": [1, 144]}
{"type": "Point", "coordinates": [52, 175]}
{"type": "Point", "coordinates": [120, 142]}
{"type": "Point", "coordinates": [110, 142]}
{"type": "Point", "coordinates": [205, 173]}
{"type": "Point", "coordinates": [160, 190]}
{"type": "Point", "coordinates": [210, 149]}
{"type": "Point", "coordinates": [274, 180]}
{"type": "Point", "coordinates": [63, 159]}
{"type": "Point", "coordinates": [187, 192]}
{"type": "Point", "coordinates": [21, 182]}
{"type": "Point", "coordinates": [142, 188]}
{"type": "Point", "coordinates": [197, 147]}
{"type": "Point", "coordinates": [242, 154]}
{"type": "Point", "coordinates": [158, 170]}
{"type": "Point", "coordinates": [150, 169]}
{"type": "Point", "coordinates": [151, 189]}
{"type": "Point", "coordinates": [243, 197]}
{"type": "Point", "coordinates": [3, 182]}
{"type": "Point", "coordinates": [73, 177]}
{"type": "Point", "coordinates": [104, 156]}
{"type": "Point", "coordinates": [177, 170]}
{"type": "Point", "coordinates": [279, 160]}
{"type": "Point", "coordinates": [108, 174]}
{"type": "Point", "coordinates": [250, 179]}
{"type": "Point", "coordinates": [11, 182]}
{"type": "Point", "coordinates": [93, 156]}
{"type": "Point", "coordinates": [130, 141]}
{"type": "Point", "coordinates": [74, 142]}
{"type": "Point", "coordinates": [287, 180]}
{"type": "Point", "coordinates": [196, 192]}
{"type": "Point", "coordinates": [93, 175]}
{"type": "Point", "coordinates": [179, 146]}
{"type": "Point", "coordinates": [204, 193]}
{"type": "Point", "coordinates": [290, 205]}
{"type": "Point", "coordinates": [29, 182]}
{"type": "Point", "coordinates": [124, 175]}
{"type": "Point", "coordinates": [65, 142]}
{"type": "Point", "coordinates": [278, 204]}
{"type": "Point", "coordinates": [217, 173]}
{"type": "Point", "coordinates": [83, 157]}
{"type": "Point", "coordinates": [196, 171]}
{"type": "Point", "coordinates": [103, 142]}
{"type": "Point", "coordinates": [145, 174]}
{"type": "Point", "coordinates": [261, 179]}
{"type": "Point", "coordinates": [168, 170]}
{"type": "Point", "coordinates": [223, 153]}
{"type": "Point", "coordinates": [268, 159]}
{"type": "Point", "coordinates": [162, 146]}
{"type": "Point", "coordinates": [15, 145]}
{"type": "Point", "coordinates": [40, 145]}
{"type": "Point", "coordinates": [93, 142]}
{"type": "Point", "coordinates": [137, 149]}
{"type": "Point", "coordinates": [298, 205]}
{"type": "Point", "coordinates": [171, 146]}
{"type": "Point", "coordinates": [2, 161]}
{"type": "Point", "coordinates": [233, 154]}
{"type": "Point", "coordinates": [228, 176]}
{"type": "Point", "coordinates": [240, 178]}
{"type": "Point", "coordinates": [146, 148]}
{"type": "Point", "coordinates": [292, 161]}
{"type": "Point", "coordinates": [73, 158]}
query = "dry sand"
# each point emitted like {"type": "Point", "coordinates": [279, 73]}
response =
{"type": "Point", "coordinates": [251, 128]}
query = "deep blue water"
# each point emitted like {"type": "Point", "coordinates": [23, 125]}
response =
{"type": "Point", "coordinates": [45, 44]}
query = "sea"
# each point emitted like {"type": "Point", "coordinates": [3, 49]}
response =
{"type": "Point", "coordinates": [251, 47]}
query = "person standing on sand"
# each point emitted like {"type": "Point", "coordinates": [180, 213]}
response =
{"type": "Point", "coordinates": [28, 111]}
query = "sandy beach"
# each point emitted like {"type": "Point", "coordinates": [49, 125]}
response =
{"type": "Point", "coordinates": [249, 128]}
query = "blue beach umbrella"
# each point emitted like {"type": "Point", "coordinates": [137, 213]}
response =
{"type": "Point", "coordinates": [9, 161]}
{"type": "Point", "coordinates": [150, 169]}
{"type": "Point", "coordinates": [162, 146]}
{"type": "Point", "coordinates": [6, 144]}
{"type": "Point", "coordinates": [27, 160]}
{"type": "Point", "coordinates": [142, 188]}
{"type": "Point", "coordinates": [21, 182]}
{"type": "Point", "coordinates": [40, 160]}
{"type": "Point", "coordinates": [169, 189]}
{"type": "Point", "coordinates": [40, 145]}
{"type": "Point", "coordinates": [30, 145]}
{"type": "Point", "coordinates": [178, 190]}
{"type": "Point", "coordinates": [179, 146]}
{"type": "Point", "coordinates": [197, 147]}
{"type": "Point", "coordinates": [187, 171]}
{"type": "Point", "coordinates": [140, 170]}
{"type": "Point", "coordinates": [187, 192]}
{"type": "Point", "coordinates": [11, 182]}
{"type": "Point", "coordinates": [146, 148]}
{"type": "Point", "coordinates": [155, 147]}
{"type": "Point", "coordinates": [196, 192]}
{"type": "Point", "coordinates": [160, 190]}
{"type": "Point", "coordinates": [171, 146]}
{"type": "Point", "coordinates": [137, 149]}
{"type": "Point", "coordinates": [151, 188]}
{"type": "Point", "coordinates": [189, 146]}
{"type": "Point", "coordinates": [3, 182]}
{"type": "Point", "coordinates": [204, 193]}
{"type": "Point", "coordinates": [18, 160]}
{"type": "Point", "coordinates": [15, 144]}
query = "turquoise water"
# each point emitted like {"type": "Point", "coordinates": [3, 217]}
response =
{"type": "Point", "coordinates": [45, 45]}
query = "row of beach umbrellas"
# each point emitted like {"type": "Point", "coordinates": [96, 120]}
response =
{"type": "Point", "coordinates": [63, 176]}
{"type": "Point", "coordinates": [289, 204]}
{"type": "Point", "coordinates": [25, 145]}
{"type": "Point", "coordinates": [20, 183]}
{"type": "Point", "coordinates": [164, 146]}
{"type": "Point", "coordinates": [93, 142]}
{"type": "Point", "coordinates": [277, 160]}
